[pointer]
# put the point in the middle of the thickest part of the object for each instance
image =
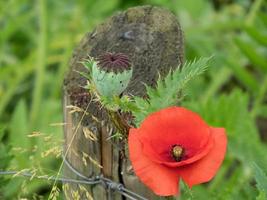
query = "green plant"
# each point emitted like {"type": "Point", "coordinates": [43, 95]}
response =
{"type": "Point", "coordinates": [36, 43]}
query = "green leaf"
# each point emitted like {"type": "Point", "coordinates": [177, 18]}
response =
{"type": "Point", "coordinates": [263, 17]}
{"type": "Point", "coordinates": [2, 129]}
{"type": "Point", "coordinates": [216, 83]}
{"type": "Point", "coordinates": [249, 51]}
{"type": "Point", "coordinates": [19, 126]}
{"type": "Point", "coordinates": [231, 111]}
{"type": "Point", "coordinates": [5, 156]}
{"type": "Point", "coordinates": [88, 64]}
{"type": "Point", "coordinates": [257, 35]}
{"type": "Point", "coordinates": [18, 133]}
{"type": "Point", "coordinates": [262, 112]}
{"type": "Point", "coordinates": [243, 76]}
{"type": "Point", "coordinates": [262, 196]}
{"type": "Point", "coordinates": [168, 89]}
{"type": "Point", "coordinates": [85, 75]}
{"type": "Point", "coordinates": [261, 178]}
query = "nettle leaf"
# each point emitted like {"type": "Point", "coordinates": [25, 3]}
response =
{"type": "Point", "coordinates": [168, 89]}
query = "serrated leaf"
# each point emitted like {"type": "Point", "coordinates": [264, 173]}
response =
{"type": "Point", "coordinates": [88, 64]}
{"type": "Point", "coordinates": [85, 75]}
{"type": "Point", "coordinates": [167, 90]}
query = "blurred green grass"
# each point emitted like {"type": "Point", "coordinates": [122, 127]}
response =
{"type": "Point", "coordinates": [36, 42]}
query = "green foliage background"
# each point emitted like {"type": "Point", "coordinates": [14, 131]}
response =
{"type": "Point", "coordinates": [36, 42]}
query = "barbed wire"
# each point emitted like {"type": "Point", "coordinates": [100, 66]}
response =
{"type": "Point", "coordinates": [107, 183]}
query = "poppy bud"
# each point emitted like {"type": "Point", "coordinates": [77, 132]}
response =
{"type": "Point", "coordinates": [111, 73]}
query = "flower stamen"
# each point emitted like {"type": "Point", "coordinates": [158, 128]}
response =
{"type": "Point", "coordinates": [177, 152]}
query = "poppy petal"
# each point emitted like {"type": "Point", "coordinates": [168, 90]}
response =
{"type": "Point", "coordinates": [174, 126]}
{"type": "Point", "coordinates": [157, 177]}
{"type": "Point", "coordinates": [205, 169]}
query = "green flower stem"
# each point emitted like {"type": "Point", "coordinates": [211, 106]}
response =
{"type": "Point", "coordinates": [63, 66]}
{"type": "Point", "coordinates": [119, 123]}
{"type": "Point", "coordinates": [40, 66]}
{"type": "Point", "coordinates": [253, 12]}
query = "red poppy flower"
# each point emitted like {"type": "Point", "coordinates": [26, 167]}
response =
{"type": "Point", "coordinates": [175, 143]}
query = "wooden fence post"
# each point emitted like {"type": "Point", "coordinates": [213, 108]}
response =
{"type": "Point", "coordinates": [152, 39]}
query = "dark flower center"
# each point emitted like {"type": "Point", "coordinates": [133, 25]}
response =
{"type": "Point", "coordinates": [177, 152]}
{"type": "Point", "coordinates": [114, 62]}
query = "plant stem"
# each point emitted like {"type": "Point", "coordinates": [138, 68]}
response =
{"type": "Point", "coordinates": [40, 67]}
{"type": "Point", "coordinates": [253, 12]}
{"type": "Point", "coordinates": [5, 99]}
{"type": "Point", "coordinates": [259, 99]}
{"type": "Point", "coordinates": [216, 83]}
{"type": "Point", "coordinates": [119, 123]}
